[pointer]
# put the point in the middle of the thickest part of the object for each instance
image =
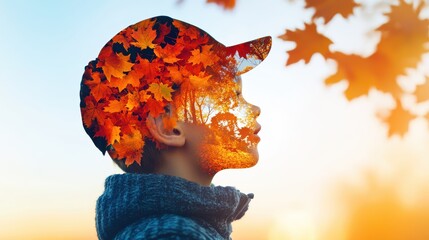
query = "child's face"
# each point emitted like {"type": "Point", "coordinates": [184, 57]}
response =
{"type": "Point", "coordinates": [221, 126]}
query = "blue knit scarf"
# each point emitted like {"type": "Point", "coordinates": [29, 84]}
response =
{"type": "Point", "coordinates": [130, 197]}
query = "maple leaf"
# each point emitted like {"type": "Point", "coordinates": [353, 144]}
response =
{"type": "Point", "coordinates": [133, 100]}
{"type": "Point", "coordinates": [399, 120]}
{"type": "Point", "coordinates": [327, 9]}
{"type": "Point", "coordinates": [362, 74]}
{"type": "Point", "coordinates": [113, 64]}
{"type": "Point", "coordinates": [130, 147]}
{"type": "Point", "coordinates": [144, 96]}
{"type": "Point", "coordinates": [98, 88]}
{"type": "Point", "coordinates": [241, 49]}
{"type": "Point", "coordinates": [93, 111]}
{"type": "Point", "coordinates": [403, 37]}
{"type": "Point", "coordinates": [200, 80]}
{"type": "Point", "coordinates": [164, 30]}
{"type": "Point", "coordinates": [422, 91]}
{"type": "Point", "coordinates": [116, 106]}
{"type": "Point", "coordinates": [109, 131]}
{"type": "Point", "coordinates": [169, 122]}
{"type": "Point", "coordinates": [150, 70]}
{"type": "Point", "coordinates": [127, 121]}
{"type": "Point", "coordinates": [123, 38]}
{"type": "Point", "coordinates": [144, 36]}
{"type": "Point", "coordinates": [155, 107]}
{"type": "Point", "coordinates": [308, 42]}
{"type": "Point", "coordinates": [177, 74]}
{"type": "Point", "coordinates": [160, 91]}
{"type": "Point", "coordinates": [226, 4]}
{"type": "Point", "coordinates": [169, 53]}
{"type": "Point", "coordinates": [132, 78]}
{"type": "Point", "coordinates": [204, 56]}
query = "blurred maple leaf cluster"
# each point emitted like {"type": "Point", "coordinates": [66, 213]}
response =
{"type": "Point", "coordinates": [404, 39]}
{"type": "Point", "coordinates": [401, 47]}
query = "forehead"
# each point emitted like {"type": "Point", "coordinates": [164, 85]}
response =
{"type": "Point", "coordinates": [238, 81]}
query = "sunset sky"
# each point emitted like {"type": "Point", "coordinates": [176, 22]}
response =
{"type": "Point", "coordinates": [322, 158]}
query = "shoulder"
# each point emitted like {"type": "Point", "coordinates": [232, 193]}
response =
{"type": "Point", "coordinates": [167, 227]}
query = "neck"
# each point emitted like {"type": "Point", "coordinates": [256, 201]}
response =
{"type": "Point", "coordinates": [176, 164]}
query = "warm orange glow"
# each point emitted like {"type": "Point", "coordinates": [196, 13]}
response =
{"type": "Point", "coordinates": [378, 210]}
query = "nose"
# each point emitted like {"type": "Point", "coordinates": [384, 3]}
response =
{"type": "Point", "coordinates": [256, 110]}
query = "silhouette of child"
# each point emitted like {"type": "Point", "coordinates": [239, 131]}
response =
{"type": "Point", "coordinates": [163, 98]}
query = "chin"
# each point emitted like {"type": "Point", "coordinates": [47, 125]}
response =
{"type": "Point", "coordinates": [215, 158]}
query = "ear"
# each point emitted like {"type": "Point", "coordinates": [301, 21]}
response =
{"type": "Point", "coordinates": [171, 137]}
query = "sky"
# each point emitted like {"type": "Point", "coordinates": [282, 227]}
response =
{"type": "Point", "coordinates": [314, 143]}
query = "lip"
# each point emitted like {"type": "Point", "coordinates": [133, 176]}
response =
{"type": "Point", "coordinates": [257, 129]}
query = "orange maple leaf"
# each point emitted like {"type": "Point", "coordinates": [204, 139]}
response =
{"type": "Point", "coordinates": [169, 53]}
{"type": "Point", "coordinates": [169, 122]}
{"type": "Point", "coordinates": [204, 56]}
{"type": "Point", "coordinates": [155, 107]}
{"type": "Point", "coordinates": [399, 120]}
{"type": "Point", "coordinates": [226, 4]}
{"type": "Point", "coordinates": [98, 88]}
{"type": "Point", "coordinates": [130, 147]}
{"type": "Point", "coordinates": [160, 91]}
{"type": "Point", "coordinates": [109, 131]}
{"type": "Point", "coordinates": [362, 74]}
{"type": "Point", "coordinates": [308, 42]}
{"type": "Point", "coordinates": [177, 74]}
{"type": "Point", "coordinates": [93, 111]}
{"type": "Point", "coordinates": [144, 35]}
{"type": "Point", "coordinates": [133, 100]}
{"type": "Point", "coordinates": [327, 9]}
{"type": "Point", "coordinates": [116, 105]}
{"type": "Point", "coordinates": [150, 70]}
{"type": "Point", "coordinates": [144, 96]}
{"type": "Point", "coordinates": [113, 64]}
{"type": "Point", "coordinates": [422, 91]}
{"type": "Point", "coordinates": [401, 46]}
{"type": "Point", "coordinates": [123, 38]}
{"type": "Point", "coordinates": [403, 37]}
{"type": "Point", "coordinates": [200, 80]}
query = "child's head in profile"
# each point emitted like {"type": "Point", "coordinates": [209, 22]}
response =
{"type": "Point", "coordinates": [164, 96]}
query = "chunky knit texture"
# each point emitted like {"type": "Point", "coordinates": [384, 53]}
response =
{"type": "Point", "coordinates": [154, 206]}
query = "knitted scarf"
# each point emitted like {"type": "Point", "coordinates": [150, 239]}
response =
{"type": "Point", "coordinates": [130, 197]}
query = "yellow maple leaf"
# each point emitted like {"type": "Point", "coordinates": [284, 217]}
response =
{"type": "Point", "coordinates": [160, 91]}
